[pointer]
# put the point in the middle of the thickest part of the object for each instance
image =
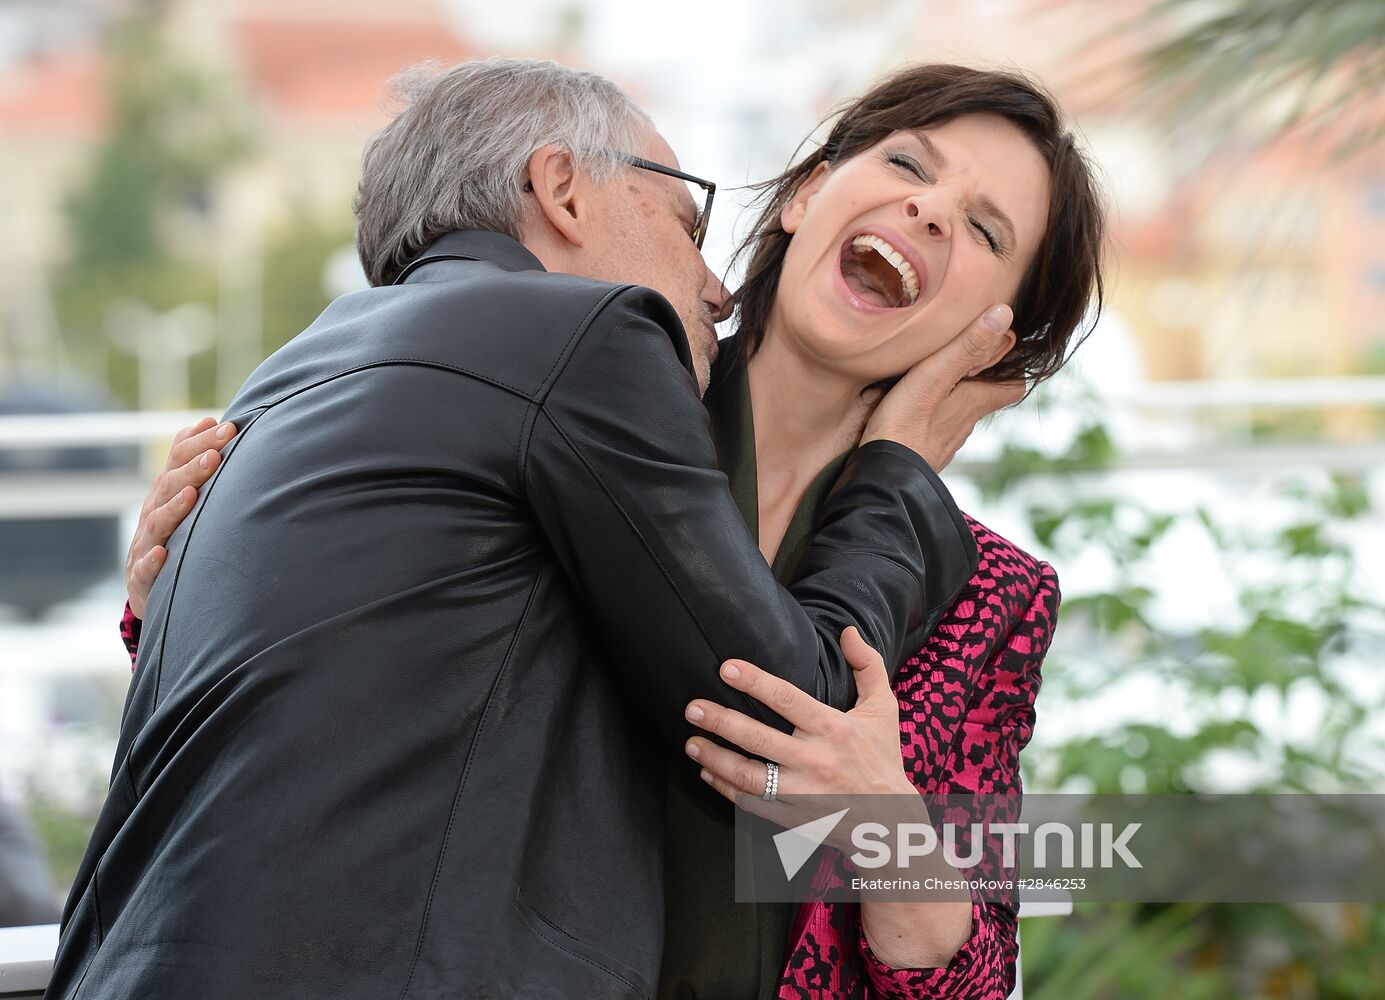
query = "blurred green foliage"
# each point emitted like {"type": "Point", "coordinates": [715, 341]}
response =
{"type": "Point", "coordinates": [172, 128]}
{"type": "Point", "coordinates": [1300, 616]}
{"type": "Point", "coordinates": [144, 221]}
{"type": "Point", "coordinates": [64, 830]}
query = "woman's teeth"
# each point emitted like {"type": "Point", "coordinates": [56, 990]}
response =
{"type": "Point", "coordinates": [907, 275]}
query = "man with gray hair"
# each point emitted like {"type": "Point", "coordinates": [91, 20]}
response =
{"type": "Point", "coordinates": [389, 732]}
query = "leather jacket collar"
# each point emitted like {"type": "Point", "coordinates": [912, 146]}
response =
{"type": "Point", "coordinates": [474, 244]}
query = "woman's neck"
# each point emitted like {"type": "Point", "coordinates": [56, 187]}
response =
{"type": "Point", "coordinates": [805, 416]}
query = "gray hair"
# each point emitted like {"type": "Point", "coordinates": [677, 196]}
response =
{"type": "Point", "coordinates": [455, 157]}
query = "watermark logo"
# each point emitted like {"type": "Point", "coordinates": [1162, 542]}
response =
{"type": "Point", "coordinates": [797, 844]}
{"type": "Point", "coordinates": [1055, 847]}
{"type": "Point", "coordinates": [919, 840]}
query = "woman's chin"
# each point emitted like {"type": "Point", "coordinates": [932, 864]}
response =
{"type": "Point", "coordinates": [847, 343]}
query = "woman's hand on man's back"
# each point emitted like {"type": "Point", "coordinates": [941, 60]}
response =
{"type": "Point", "coordinates": [195, 455]}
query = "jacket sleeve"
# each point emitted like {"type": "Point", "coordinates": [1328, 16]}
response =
{"type": "Point", "coordinates": [983, 969]}
{"type": "Point", "coordinates": [130, 628]}
{"type": "Point", "coordinates": [621, 474]}
{"type": "Point", "coordinates": [995, 728]}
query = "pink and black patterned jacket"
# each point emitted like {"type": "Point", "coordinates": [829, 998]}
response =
{"type": "Point", "coordinates": [966, 710]}
{"type": "Point", "coordinates": [966, 704]}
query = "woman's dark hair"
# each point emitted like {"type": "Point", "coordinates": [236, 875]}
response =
{"type": "Point", "coordinates": [1065, 276]}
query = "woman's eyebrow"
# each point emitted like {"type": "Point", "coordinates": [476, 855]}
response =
{"type": "Point", "coordinates": [934, 153]}
{"type": "Point", "coordinates": [984, 203]}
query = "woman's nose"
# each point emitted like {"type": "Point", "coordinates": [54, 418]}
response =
{"type": "Point", "coordinates": [928, 215]}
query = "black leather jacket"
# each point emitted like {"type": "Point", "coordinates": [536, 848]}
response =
{"type": "Point", "coordinates": [388, 734]}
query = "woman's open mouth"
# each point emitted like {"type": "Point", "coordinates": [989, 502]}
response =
{"type": "Point", "coordinates": [877, 273]}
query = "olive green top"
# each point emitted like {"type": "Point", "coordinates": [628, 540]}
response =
{"type": "Point", "coordinates": [714, 947]}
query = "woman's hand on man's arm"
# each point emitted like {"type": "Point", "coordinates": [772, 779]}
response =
{"type": "Point", "coordinates": [829, 753]}
{"type": "Point", "coordinates": [195, 455]}
{"type": "Point", "coordinates": [854, 757]}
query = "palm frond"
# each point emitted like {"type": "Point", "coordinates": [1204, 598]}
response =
{"type": "Point", "coordinates": [1261, 68]}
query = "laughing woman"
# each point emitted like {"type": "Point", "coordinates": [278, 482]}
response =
{"type": "Point", "coordinates": [941, 194]}
{"type": "Point", "coordinates": [941, 191]}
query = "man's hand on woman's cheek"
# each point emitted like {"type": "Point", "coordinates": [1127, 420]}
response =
{"type": "Point", "coordinates": [935, 405]}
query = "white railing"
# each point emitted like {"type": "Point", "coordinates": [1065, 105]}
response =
{"type": "Point", "coordinates": [86, 492]}
{"type": "Point", "coordinates": [108, 493]}
{"type": "Point", "coordinates": [1270, 394]}
{"type": "Point", "coordinates": [26, 960]}
{"type": "Point", "coordinates": [76, 430]}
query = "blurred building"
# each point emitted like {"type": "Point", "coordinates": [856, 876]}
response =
{"type": "Point", "coordinates": [309, 77]}
{"type": "Point", "coordinates": [1230, 258]}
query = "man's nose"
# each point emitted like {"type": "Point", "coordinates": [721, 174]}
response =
{"type": "Point", "coordinates": [716, 296]}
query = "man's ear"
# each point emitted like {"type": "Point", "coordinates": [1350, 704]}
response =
{"type": "Point", "coordinates": [1006, 345]}
{"type": "Point", "coordinates": [559, 190]}
{"type": "Point", "coordinates": [796, 207]}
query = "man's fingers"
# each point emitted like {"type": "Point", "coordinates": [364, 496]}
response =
{"type": "Point", "coordinates": [978, 344]}
{"type": "Point", "coordinates": [872, 679]}
{"type": "Point", "coordinates": [980, 399]}
{"type": "Point", "coordinates": [975, 347]}
{"type": "Point", "coordinates": [1010, 393]}
{"type": "Point", "coordinates": [206, 435]}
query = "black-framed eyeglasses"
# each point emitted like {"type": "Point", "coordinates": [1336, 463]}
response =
{"type": "Point", "coordinates": [699, 232]}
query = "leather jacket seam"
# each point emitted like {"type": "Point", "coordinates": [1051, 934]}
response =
{"type": "Point", "coordinates": [565, 354]}
{"type": "Point", "coordinates": [100, 932]}
{"type": "Point", "coordinates": [385, 362]}
{"type": "Point", "coordinates": [526, 911]}
{"type": "Point", "coordinates": [205, 495]}
{"type": "Point", "coordinates": [591, 470]}
{"type": "Point", "coordinates": [129, 779]}
{"type": "Point", "coordinates": [461, 781]}
{"type": "Point", "coordinates": [83, 978]}
{"type": "Point", "coordinates": [630, 523]}
{"type": "Point", "coordinates": [551, 378]}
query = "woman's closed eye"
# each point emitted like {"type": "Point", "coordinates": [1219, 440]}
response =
{"type": "Point", "coordinates": [906, 163]}
{"type": "Point", "coordinates": [910, 165]}
{"type": "Point", "coordinates": [987, 236]}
